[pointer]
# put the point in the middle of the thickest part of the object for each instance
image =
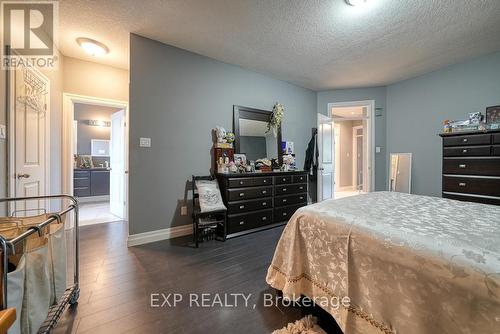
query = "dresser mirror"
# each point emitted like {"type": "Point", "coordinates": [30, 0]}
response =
{"type": "Point", "coordinates": [252, 137]}
{"type": "Point", "coordinates": [400, 173]}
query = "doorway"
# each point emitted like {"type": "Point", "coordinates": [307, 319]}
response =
{"type": "Point", "coordinates": [352, 149]}
{"type": "Point", "coordinates": [96, 157]}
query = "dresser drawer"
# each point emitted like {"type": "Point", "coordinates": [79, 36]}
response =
{"type": "Point", "coordinates": [496, 138]}
{"type": "Point", "coordinates": [249, 193]}
{"type": "Point", "coordinates": [262, 181]}
{"type": "Point", "coordinates": [81, 173]}
{"type": "Point", "coordinates": [240, 182]}
{"type": "Point", "coordinates": [81, 191]}
{"type": "Point", "coordinates": [251, 205]}
{"type": "Point", "coordinates": [242, 222]}
{"type": "Point", "coordinates": [495, 150]}
{"type": "Point", "coordinates": [284, 213]}
{"type": "Point", "coordinates": [290, 199]}
{"type": "Point", "coordinates": [290, 189]}
{"type": "Point", "coordinates": [490, 166]}
{"type": "Point", "coordinates": [466, 151]}
{"type": "Point", "coordinates": [467, 140]}
{"type": "Point", "coordinates": [283, 179]}
{"type": "Point", "coordinates": [81, 182]}
{"type": "Point", "coordinates": [471, 185]}
{"type": "Point", "coordinates": [467, 198]}
{"type": "Point", "coordinates": [299, 178]}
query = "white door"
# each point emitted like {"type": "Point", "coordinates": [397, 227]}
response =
{"type": "Point", "coordinates": [117, 163]}
{"type": "Point", "coordinates": [30, 112]}
{"type": "Point", "coordinates": [326, 157]}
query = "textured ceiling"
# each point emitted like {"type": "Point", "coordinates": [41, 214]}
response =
{"type": "Point", "coordinates": [318, 44]}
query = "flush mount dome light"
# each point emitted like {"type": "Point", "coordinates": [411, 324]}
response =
{"type": "Point", "coordinates": [92, 47]}
{"type": "Point", "coordinates": [356, 2]}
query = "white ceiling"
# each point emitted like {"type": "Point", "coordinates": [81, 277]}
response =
{"type": "Point", "coordinates": [318, 44]}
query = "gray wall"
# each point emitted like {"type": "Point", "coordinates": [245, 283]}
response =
{"type": "Point", "coordinates": [176, 98]}
{"type": "Point", "coordinates": [417, 107]}
{"type": "Point", "coordinates": [85, 112]}
{"type": "Point", "coordinates": [379, 95]}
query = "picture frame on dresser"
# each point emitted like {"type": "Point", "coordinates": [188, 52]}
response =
{"type": "Point", "coordinates": [493, 115]}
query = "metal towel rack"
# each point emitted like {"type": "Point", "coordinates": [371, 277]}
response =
{"type": "Point", "coordinates": [72, 292]}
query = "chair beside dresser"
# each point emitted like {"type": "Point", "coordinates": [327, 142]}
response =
{"type": "Point", "coordinates": [257, 201]}
{"type": "Point", "coordinates": [471, 167]}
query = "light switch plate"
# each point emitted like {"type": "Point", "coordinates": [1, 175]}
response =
{"type": "Point", "coordinates": [144, 142]}
{"type": "Point", "coordinates": [378, 149]}
{"type": "Point", "coordinates": [3, 131]}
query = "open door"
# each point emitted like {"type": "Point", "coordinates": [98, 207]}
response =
{"type": "Point", "coordinates": [117, 200]}
{"type": "Point", "coordinates": [326, 158]}
{"type": "Point", "coordinates": [29, 140]}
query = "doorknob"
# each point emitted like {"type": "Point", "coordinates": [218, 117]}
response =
{"type": "Point", "coordinates": [20, 176]}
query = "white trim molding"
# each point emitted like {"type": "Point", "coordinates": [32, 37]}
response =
{"type": "Point", "coordinates": [158, 235]}
{"type": "Point", "coordinates": [370, 135]}
{"type": "Point", "coordinates": [68, 116]}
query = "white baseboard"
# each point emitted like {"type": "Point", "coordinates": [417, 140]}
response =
{"type": "Point", "coordinates": [153, 236]}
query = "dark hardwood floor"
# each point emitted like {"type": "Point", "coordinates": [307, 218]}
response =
{"type": "Point", "coordinates": [116, 284]}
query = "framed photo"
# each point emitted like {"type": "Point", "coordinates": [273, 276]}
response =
{"type": "Point", "coordinates": [240, 159]}
{"type": "Point", "coordinates": [493, 115]}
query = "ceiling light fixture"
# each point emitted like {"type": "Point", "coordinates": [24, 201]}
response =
{"type": "Point", "coordinates": [92, 47]}
{"type": "Point", "coordinates": [356, 2]}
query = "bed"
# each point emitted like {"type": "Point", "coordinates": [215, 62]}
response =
{"type": "Point", "coordinates": [389, 262]}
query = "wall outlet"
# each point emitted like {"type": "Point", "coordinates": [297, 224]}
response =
{"type": "Point", "coordinates": [3, 131]}
{"type": "Point", "coordinates": [184, 210]}
{"type": "Point", "coordinates": [144, 142]}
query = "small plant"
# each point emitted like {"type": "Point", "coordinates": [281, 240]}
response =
{"type": "Point", "coordinates": [276, 117]}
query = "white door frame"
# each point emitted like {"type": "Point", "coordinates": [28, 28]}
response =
{"type": "Point", "coordinates": [69, 101]}
{"type": "Point", "coordinates": [11, 134]}
{"type": "Point", "coordinates": [370, 133]}
{"type": "Point", "coordinates": [355, 156]}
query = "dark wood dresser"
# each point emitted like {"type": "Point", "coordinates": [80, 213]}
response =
{"type": "Point", "coordinates": [471, 166]}
{"type": "Point", "coordinates": [257, 201]}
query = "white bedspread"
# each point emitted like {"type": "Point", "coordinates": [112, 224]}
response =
{"type": "Point", "coordinates": [409, 264]}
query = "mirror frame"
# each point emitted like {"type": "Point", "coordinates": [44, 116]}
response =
{"type": "Point", "coordinates": [410, 155]}
{"type": "Point", "coordinates": [240, 112]}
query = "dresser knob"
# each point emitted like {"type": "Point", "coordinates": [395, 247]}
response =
{"type": "Point", "coordinates": [284, 200]}
{"type": "Point", "coordinates": [301, 197]}
{"type": "Point", "coordinates": [462, 184]}
{"type": "Point", "coordinates": [242, 222]}
{"type": "Point", "coordinates": [264, 191]}
{"type": "Point", "coordinates": [462, 166]}
{"type": "Point", "coordinates": [264, 218]}
{"type": "Point", "coordinates": [301, 188]}
{"type": "Point", "coordinates": [284, 179]}
{"type": "Point", "coordinates": [242, 206]}
{"type": "Point", "coordinates": [284, 213]}
{"type": "Point", "coordinates": [465, 140]}
{"type": "Point", "coordinates": [265, 181]}
{"type": "Point", "coordinates": [242, 194]}
{"type": "Point", "coordinates": [264, 203]}
{"type": "Point", "coordinates": [241, 182]}
{"type": "Point", "coordinates": [464, 151]}
{"type": "Point", "coordinates": [284, 189]}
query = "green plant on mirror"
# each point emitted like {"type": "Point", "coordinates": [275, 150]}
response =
{"type": "Point", "coordinates": [276, 117]}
